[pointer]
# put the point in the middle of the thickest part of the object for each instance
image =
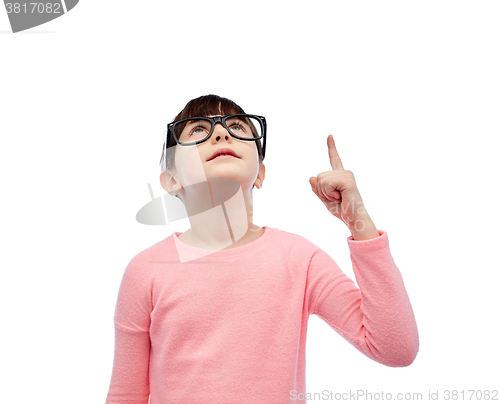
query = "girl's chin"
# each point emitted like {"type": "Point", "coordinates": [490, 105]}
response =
{"type": "Point", "coordinates": [230, 180]}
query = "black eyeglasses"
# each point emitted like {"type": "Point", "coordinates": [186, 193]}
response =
{"type": "Point", "coordinates": [196, 130]}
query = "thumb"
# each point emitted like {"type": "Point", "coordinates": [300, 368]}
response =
{"type": "Point", "coordinates": [314, 182]}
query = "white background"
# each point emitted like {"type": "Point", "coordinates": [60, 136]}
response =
{"type": "Point", "coordinates": [409, 90]}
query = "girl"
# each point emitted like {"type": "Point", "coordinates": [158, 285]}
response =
{"type": "Point", "coordinates": [218, 314]}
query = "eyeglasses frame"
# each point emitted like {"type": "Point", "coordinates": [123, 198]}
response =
{"type": "Point", "coordinates": [222, 120]}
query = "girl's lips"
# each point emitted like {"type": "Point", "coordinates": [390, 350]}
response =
{"type": "Point", "coordinates": [223, 150]}
{"type": "Point", "coordinates": [221, 156]}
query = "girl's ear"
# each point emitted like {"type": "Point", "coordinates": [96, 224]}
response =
{"type": "Point", "coordinates": [169, 183]}
{"type": "Point", "coordinates": [260, 176]}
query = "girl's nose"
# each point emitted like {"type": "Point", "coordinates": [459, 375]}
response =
{"type": "Point", "coordinates": [220, 130]}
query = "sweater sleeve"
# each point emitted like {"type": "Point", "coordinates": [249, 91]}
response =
{"type": "Point", "coordinates": [130, 375]}
{"type": "Point", "coordinates": [377, 318]}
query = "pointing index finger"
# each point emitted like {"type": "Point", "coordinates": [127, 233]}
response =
{"type": "Point", "coordinates": [334, 156]}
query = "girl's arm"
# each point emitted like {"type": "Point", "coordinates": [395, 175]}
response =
{"type": "Point", "coordinates": [377, 318]}
{"type": "Point", "coordinates": [130, 376]}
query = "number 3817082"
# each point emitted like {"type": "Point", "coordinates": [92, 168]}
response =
{"type": "Point", "coordinates": [40, 8]}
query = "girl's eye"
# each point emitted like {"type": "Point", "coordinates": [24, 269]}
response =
{"type": "Point", "coordinates": [236, 126]}
{"type": "Point", "coordinates": [198, 130]}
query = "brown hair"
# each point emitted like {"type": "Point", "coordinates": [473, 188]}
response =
{"type": "Point", "coordinates": [202, 106]}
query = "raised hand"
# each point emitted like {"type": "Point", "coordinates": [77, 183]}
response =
{"type": "Point", "coordinates": [338, 191]}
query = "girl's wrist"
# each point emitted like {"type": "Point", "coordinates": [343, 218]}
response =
{"type": "Point", "coordinates": [363, 228]}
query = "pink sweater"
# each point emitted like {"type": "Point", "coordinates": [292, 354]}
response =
{"type": "Point", "coordinates": [230, 327]}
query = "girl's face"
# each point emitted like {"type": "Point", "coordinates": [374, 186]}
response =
{"type": "Point", "coordinates": [194, 163]}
